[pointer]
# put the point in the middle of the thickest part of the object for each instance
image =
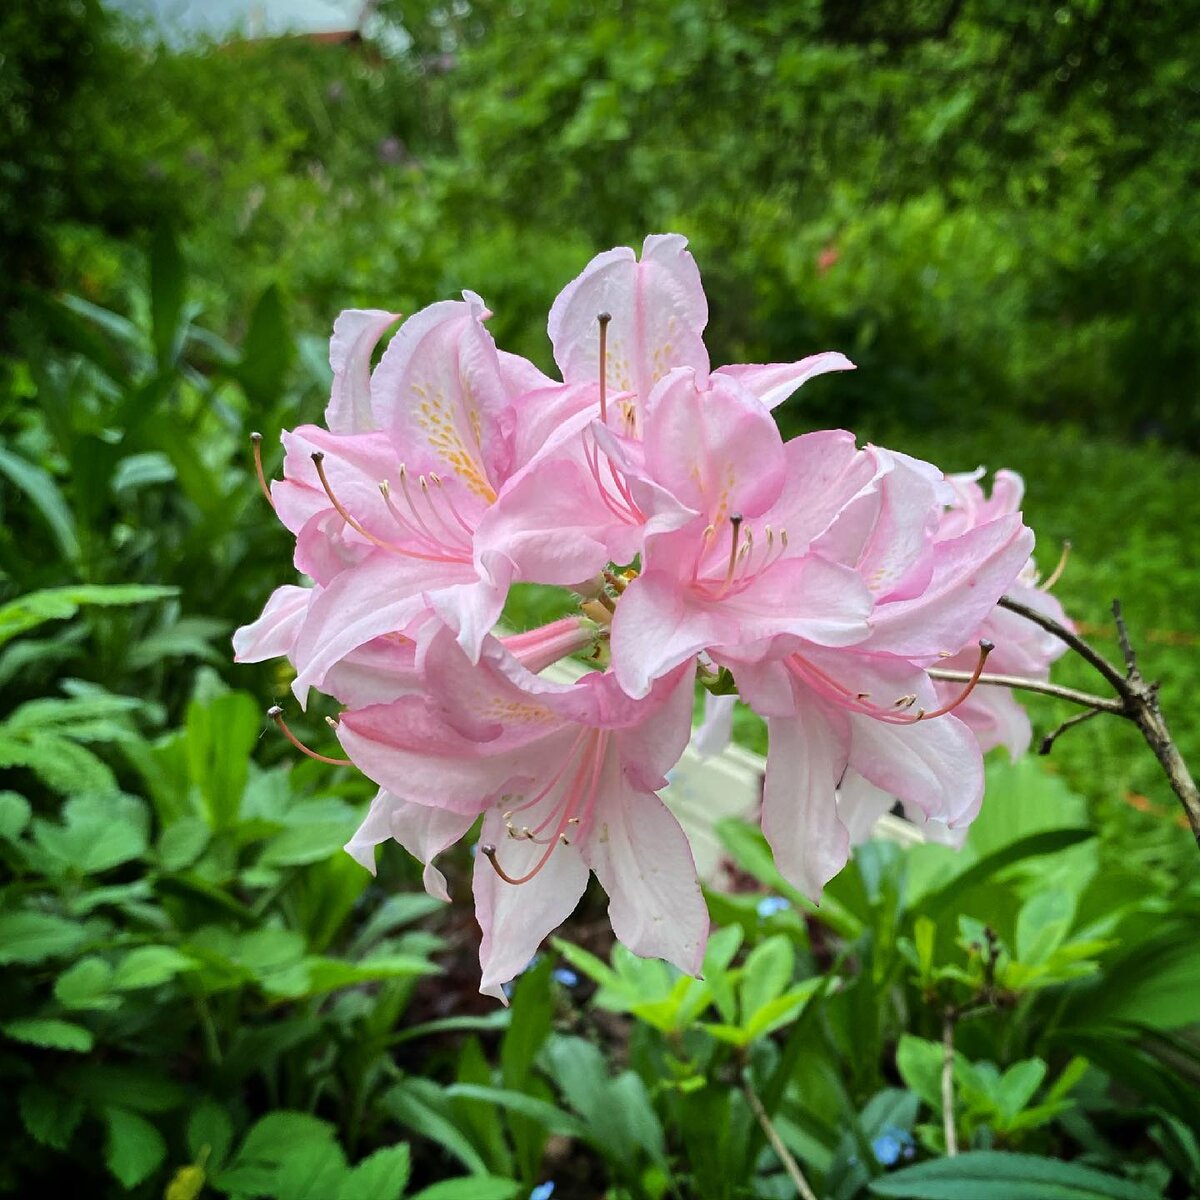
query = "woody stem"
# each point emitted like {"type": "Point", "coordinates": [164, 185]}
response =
{"type": "Point", "coordinates": [1136, 700]}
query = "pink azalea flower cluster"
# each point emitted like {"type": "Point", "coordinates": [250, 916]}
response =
{"type": "Point", "coordinates": [824, 578]}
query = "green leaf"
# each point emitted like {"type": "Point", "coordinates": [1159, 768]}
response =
{"type": "Point", "coordinates": [182, 843]}
{"type": "Point", "coordinates": [46, 497]}
{"type": "Point", "coordinates": [920, 1065]}
{"type": "Point", "coordinates": [167, 283]}
{"type": "Point", "coordinates": [96, 833]}
{"type": "Point", "coordinates": [220, 738]}
{"type": "Point", "coordinates": [1042, 924]}
{"type": "Point", "coordinates": [86, 984]}
{"type": "Point", "coordinates": [14, 815]}
{"type": "Point", "coordinates": [60, 763]}
{"type": "Point", "coordinates": [50, 1033]}
{"type": "Point", "coordinates": [316, 830]}
{"type": "Point", "coordinates": [312, 1170]}
{"type": "Point", "coordinates": [549, 1116]}
{"type": "Point", "coordinates": [423, 1107]}
{"type": "Point", "coordinates": [1049, 841]}
{"type": "Point", "coordinates": [476, 1187]}
{"type": "Point", "coordinates": [150, 966]}
{"type": "Point", "coordinates": [267, 351]}
{"type": "Point", "coordinates": [134, 1149]}
{"type": "Point", "coordinates": [210, 1133]}
{"type": "Point", "coordinates": [58, 604]}
{"type": "Point", "coordinates": [995, 1175]}
{"type": "Point", "coordinates": [767, 972]}
{"type": "Point", "coordinates": [29, 937]}
{"type": "Point", "coordinates": [50, 1116]}
{"type": "Point", "coordinates": [382, 1176]}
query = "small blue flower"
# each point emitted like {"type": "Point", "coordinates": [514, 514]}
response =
{"type": "Point", "coordinates": [565, 976]}
{"type": "Point", "coordinates": [768, 906]}
{"type": "Point", "coordinates": [543, 1191]}
{"type": "Point", "coordinates": [892, 1145]}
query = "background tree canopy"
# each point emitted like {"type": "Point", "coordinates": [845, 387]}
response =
{"type": "Point", "coordinates": [992, 207]}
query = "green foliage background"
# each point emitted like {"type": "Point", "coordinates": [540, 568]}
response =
{"type": "Point", "coordinates": [991, 207]}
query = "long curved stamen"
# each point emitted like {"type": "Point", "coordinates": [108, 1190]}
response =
{"type": "Point", "coordinates": [318, 458]}
{"type": "Point", "coordinates": [604, 318]}
{"type": "Point", "coordinates": [985, 648]}
{"type": "Point", "coordinates": [575, 808]}
{"type": "Point", "coordinates": [1056, 574]}
{"type": "Point", "coordinates": [403, 473]}
{"type": "Point", "coordinates": [858, 701]}
{"type": "Point", "coordinates": [436, 480]}
{"type": "Point", "coordinates": [276, 715]}
{"type": "Point", "coordinates": [256, 442]}
{"type": "Point", "coordinates": [453, 534]}
{"type": "Point", "coordinates": [385, 491]}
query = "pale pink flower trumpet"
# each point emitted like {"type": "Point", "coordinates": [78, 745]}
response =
{"type": "Point", "coordinates": [825, 579]}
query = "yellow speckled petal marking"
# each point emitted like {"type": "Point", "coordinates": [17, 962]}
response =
{"type": "Point", "coordinates": [435, 417]}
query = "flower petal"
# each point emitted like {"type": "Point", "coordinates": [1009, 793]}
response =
{"type": "Point", "coordinates": [355, 333]}
{"type": "Point", "coordinates": [516, 919]}
{"type": "Point", "coordinates": [423, 831]}
{"type": "Point", "coordinates": [935, 765]}
{"type": "Point", "coordinates": [275, 631]}
{"type": "Point", "coordinates": [658, 310]}
{"type": "Point", "coordinates": [806, 756]}
{"type": "Point", "coordinates": [773, 383]}
{"type": "Point", "coordinates": [642, 858]}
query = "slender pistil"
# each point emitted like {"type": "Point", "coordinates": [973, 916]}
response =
{"type": "Point", "coordinates": [604, 318]}
{"type": "Point", "coordinates": [276, 715]}
{"type": "Point", "coordinates": [985, 648]}
{"type": "Point", "coordinates": [256, 442]}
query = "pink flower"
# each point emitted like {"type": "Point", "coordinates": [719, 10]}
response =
{"type": "Point", "coordinates": [827, 578]}
{"type": "Point", "coordinates": [385, 505]}
{"type": "Point", "coordinates": [564, 777]}
{"type": "Point", "coordinates": [1023, 649]}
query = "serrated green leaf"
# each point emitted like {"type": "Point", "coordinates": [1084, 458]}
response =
{"type": "Point", "coordinates": [313, 1170]}
{"type": "Point", "coordinates": [382, 1176]}
{"type": "Point", "coordinates": [50, 1033]}
{"type": "Point", "coordinates": [210, 1134]}
{"type": "Point", "coordinates": [150, 966]}
{"type": "Point", "coordinates": [996, 1175]}
{"type": "Point", "coordinates": [183, 842]}
{"type": "Point", "coordinates": [316, 830]}
{"type": "Point", "coordinates": [134, 1149]}
{"type": "Point", "coordinates": [50, 1116]}
{"type": "Point", "coordinates": [59, 604]}
{"type": "Point", "coordinates": [30, 937]}
{"type": "Point", "coordinates": [63, 765]}
{"type": "Point", "coordinates": [96, 834]}
{"type": "Point", "coordinates": [86, 984]}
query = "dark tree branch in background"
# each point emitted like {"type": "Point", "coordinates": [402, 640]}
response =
{"type": "Point", "coordinates": [1136, 701]}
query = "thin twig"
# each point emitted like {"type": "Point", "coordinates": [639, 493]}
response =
{"type": "Point", "coordinates": [1047, 743]}
{"type": "Point", "coordinates": [1044, 687]}
{"type": "Point", "coordinates": [1123, 638]}
{"type": "Point", "coordinates": [1069, 636]}
{"type": "Point", "coordinates": [948, 1122]}
{"type": "Point", "coordinates": [790, 1165]}
{"type": "Point", "coordinates": [1137, 701]}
